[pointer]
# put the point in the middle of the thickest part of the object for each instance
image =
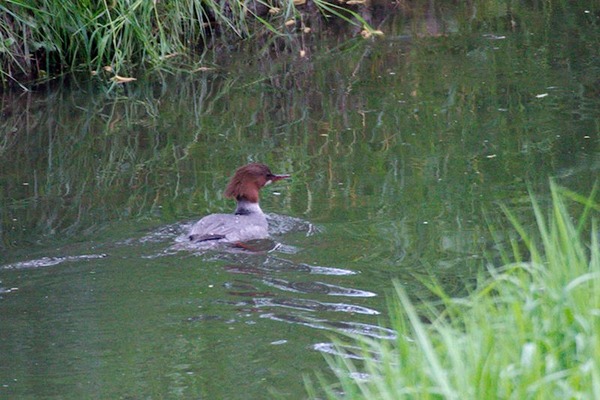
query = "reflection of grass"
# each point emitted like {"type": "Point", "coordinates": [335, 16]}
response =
{"type": "Point", "coordinates": [531, 330]}
{"type": "Point", "coordinates": [435, 144]}
{"type": "Point", "coordinates": [43, 39]}
{"type": "Point", "coordinates": [53, 36]}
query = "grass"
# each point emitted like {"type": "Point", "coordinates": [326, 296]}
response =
{"type": "Point", "coordinates": [42, 40]}
{"type": "Point", "coordinates": [63, 35]}
{"type": "Point", "coordinates": [531, 330]}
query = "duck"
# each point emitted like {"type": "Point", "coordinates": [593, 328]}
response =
{"type": "Point", "coordinates": [248, 222]}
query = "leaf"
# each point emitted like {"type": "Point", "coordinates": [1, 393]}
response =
{"type": "Point", "coordinates": [122, 79]}
{"type": "Point", "coordinates": [199, 69]}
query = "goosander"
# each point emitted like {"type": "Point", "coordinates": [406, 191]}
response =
{"type": "Point", "coordinates": [248, 222]}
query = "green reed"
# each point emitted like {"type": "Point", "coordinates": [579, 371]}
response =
{"type": "Point", "coordinates": [530, 330]}
{"type": "Point", "coordinates": [95, 34]}
{"type": "Point", "coordinates": [42, 39]}
{"type": "Point", "coordinates": [49, 37]}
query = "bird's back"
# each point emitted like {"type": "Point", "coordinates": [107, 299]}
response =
{"type": "Point", "coordinates": [230, 228]}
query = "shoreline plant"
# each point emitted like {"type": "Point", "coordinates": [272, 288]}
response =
{"type": "Point", "coordinates": [530, 330]}
{"type": "Point", "coordinates": [45, 39]}
{"type": "Point", "coordinates": [42, 40]}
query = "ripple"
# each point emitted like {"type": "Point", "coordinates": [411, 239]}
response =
{"type": "Point", "coordinates": [313, 305]}
{"type": "Point", "coordinates": [7, 290]}
{"type": "Point", "coordinates": [51, 261]}
{"type": "Point", "coordinates": [344, 351]}
{"type": "Point", "coordinates": [165, 233]}
{"type": "Point", "coordinates": [283, 265]}
{"type": "Point", "coordinates": [272, 264]}
{"type": "Point", "coordinates": [352, 328]}
{"type": "Point", "coordinates": [243, 270]}
{"type": "Point", "coordinates": [330, 271]}
{"type": "Point", "coordinates": [316, 288]}
{"type": "Point", "coordinates": [284, 224]}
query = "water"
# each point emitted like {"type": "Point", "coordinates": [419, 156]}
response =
{"type": "Point", "coordinates": [401, 149]}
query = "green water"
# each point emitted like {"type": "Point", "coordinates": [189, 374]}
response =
{"type": "Point", "coordinates": [401, 149]}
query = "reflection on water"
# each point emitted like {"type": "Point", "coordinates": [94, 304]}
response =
{"type": "Point", "coordinates": [51, 261]}
{"type": "Point", "coordinates": [276, 264]}
{"type": "Point", "coordinates": [345, 351]}
{"type": "Point", "coordinates": [316, 288]}
{"type": "Point", "coordinates": [351, 328]}
{"type": "Point", "coordinates": [402, 148]}
{"type": "Point", "coordinates": [313, 305]}
{"type": "Point", "coordinates": [7, 290]}
{"type": "Point", "coordinates": [229, 291]}
{"type": "Point", "coordinates": [257, 259]}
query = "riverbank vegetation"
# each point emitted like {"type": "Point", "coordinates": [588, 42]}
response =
{"type": "Point", "coordinates": [55, 36]}
{"type": "Point", "coordinates": [530, 330]}
{"type": "Point", "coordinates": [46, 39]}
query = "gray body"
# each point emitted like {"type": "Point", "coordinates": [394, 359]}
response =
{"type": "Point", "coordinates": [248, 223]}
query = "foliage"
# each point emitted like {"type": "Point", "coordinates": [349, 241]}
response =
{"type": "Point", "coordinates": [44, 38]}
{"type": "Point", "coordinates": [531, 330]}
{"type": "Point", "coordinates": [47, 37]}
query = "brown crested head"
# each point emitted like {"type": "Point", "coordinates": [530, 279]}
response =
{"type": "Point", "coordinates": [248, 180]}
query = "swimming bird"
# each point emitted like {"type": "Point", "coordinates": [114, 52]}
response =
{"type": "Point", "coordinates": [248, 222]}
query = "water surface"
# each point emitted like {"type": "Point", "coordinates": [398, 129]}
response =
{"type": "Point", "coordinates": [401, 149]}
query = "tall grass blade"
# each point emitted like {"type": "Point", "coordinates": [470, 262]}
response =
{"type": "Point", "coordinates": [531, 329]}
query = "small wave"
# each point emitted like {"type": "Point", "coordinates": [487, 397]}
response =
{"type": "Point", "coordinates": [51, 261]}
{"type": "Point", "coordinates": [329, 271]}
{"type": "Point", "coordinates": [353, 328]}
{"type": "Point", "coordinates": [7, 290]}
{"type": "Point", "coordinates": [165, 233]}
{"type": "Point", "coordinates": [316, 287]}
{"type": "Point", "coordinates": [284, 224]}
{"type": "Point", "coordinates": [313, 305]}
{"type": "Point", "coordinates": [344, 351]}
{"type": "Point", "coordinates": [162, 234]}
{"type": "Point", "coordinates": [281, 265]}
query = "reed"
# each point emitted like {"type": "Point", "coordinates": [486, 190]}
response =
{"type": "Point", "coordinates": [40, 40]}
{"type": "Point", "coordinates": [530, 330]}
{"type": "Point", "coordinates": [51, 37]}
{"type": "Point", "coordinates": [57, 35]}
